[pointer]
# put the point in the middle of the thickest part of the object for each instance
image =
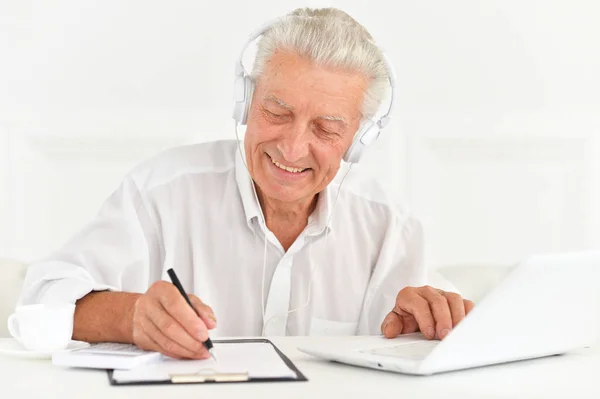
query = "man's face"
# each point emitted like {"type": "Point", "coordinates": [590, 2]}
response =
{"type": "Point", "coordinates": [302, 118]}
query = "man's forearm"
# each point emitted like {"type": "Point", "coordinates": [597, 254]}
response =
{"type": "Point", "coordinates": [104, 317]}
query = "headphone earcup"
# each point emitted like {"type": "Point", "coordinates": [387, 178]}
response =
{"type": "Point", "coordinates": [367, 133]}
{"type": "Point", "coordinates": [243, 88]}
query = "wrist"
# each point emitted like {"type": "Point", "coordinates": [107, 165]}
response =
{"type": "Point", "coordinates": [105, 316]}
{"type": "Point", "coordinates": [126, 323]}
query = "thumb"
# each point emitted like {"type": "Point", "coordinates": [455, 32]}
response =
{"type": "Point", "coordinates": [392, 325]}
{"type": "Point", "coordinates": [204, 311]}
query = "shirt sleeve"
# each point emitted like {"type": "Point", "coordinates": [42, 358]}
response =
{"type": "Point", "coordinates": [400, 264]}
{"type": "Point", "coordinates": [113, 252]}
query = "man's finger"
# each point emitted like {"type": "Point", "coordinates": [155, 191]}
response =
{"type": "Point", "coordinates": [172, 329]}
{"type": "Point", "coordinates": [145, 342]}
{"type": "Point", "coordinates": [412, 303]}
{"type": "Point", "coordinates": [440, 310]}
{"type": "Point", "coordinates": [392, 325]}
{"type": "Point", "coordinates": [177, 307]}
{"type": "Point", "coordinates": [148, 343]}
{"type": "Point", "coordinates": [409, 325]}
{"type": "Point", "coordinates": [206, 313]}
{"type": "Point", "coordinates": [457, 307]}
{"type": "Point", "coordinates": [170, 346]}
{"type": "Point", "coordinates": [469, 305]}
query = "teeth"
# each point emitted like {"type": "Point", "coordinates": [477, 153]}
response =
{"type": "Point", "coordinates": [280, 166]}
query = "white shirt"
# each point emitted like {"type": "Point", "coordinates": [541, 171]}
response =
{"type": "Point", "coordinates": [194, 209]}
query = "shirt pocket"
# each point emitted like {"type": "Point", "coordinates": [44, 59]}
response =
{"type": "Point", "coordinates": [331, 327]}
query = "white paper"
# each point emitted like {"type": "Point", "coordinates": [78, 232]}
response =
{"type": "Point", "coordinates": [258, 359]}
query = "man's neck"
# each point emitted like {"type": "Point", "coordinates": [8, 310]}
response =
{"type": "Point", "coordinates": [286, 220]}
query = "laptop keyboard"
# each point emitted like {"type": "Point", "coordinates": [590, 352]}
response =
{"type": "Point", "coordinates": [413, 351]}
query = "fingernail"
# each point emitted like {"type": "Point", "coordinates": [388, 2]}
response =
{"type": "Point", "coordinates": [430, 332]}
{"type": "Point", "coordinates": [212, 317]}
{"type": "Point", "coordinates": [445, 332]}
{"type": "Point", "coordinates": [384, 326]}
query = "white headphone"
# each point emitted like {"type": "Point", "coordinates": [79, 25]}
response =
{"type": "Point", "coordinates": [367, 133]}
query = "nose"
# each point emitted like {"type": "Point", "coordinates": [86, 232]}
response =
{"type": "Point", "coordinates": [293, 145]}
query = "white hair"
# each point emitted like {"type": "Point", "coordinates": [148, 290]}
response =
{"type": "Point", "coordinates": [331, 38]}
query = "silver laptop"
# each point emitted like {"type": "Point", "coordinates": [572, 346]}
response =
{"type": "Point", "coordinates": [547, 305]}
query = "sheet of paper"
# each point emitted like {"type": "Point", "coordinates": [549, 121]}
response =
{"type": "Point", "coordinates": [258, 359]}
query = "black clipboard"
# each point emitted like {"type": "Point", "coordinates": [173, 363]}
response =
{"type": "Point", "coordinates": [220, 378]}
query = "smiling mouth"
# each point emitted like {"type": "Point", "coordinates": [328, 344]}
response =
{"type": "Point", "coordinates": [287, 168]}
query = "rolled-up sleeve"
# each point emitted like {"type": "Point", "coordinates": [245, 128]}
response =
{"type": "Point", "coordinates": [113, 252]}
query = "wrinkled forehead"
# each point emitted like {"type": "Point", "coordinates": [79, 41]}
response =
{"type": "Point", "coordinates": [295, 83]}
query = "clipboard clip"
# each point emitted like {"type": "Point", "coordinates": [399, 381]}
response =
{"type": "Point", "coordinates": [208, 375]}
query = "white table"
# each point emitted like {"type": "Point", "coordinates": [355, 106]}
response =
{"type": "Point", "coordinates": [574, 375]}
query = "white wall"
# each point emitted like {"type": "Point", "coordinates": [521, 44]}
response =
{"type": "Point", "coordinates": [495, 141]}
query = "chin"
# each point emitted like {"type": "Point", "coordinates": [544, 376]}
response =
{"type": "Point", "coordinates": [283, 193]}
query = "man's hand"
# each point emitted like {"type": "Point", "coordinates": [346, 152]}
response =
{"type": "Point", "coordinates": [164, 322]}
{"type": "Point", "coordinates": [429, 310]}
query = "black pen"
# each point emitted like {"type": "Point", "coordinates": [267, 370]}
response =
{"type": "Point", "coordinates": [208, 343]}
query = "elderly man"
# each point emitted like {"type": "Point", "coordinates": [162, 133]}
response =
{"type": "Point", "coordinates": [273, 237]}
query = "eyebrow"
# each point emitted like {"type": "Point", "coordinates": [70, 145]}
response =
{"type": "Point", "coordinates": [278, 101]}
{"type": "Point", "coordinates": [334, 118]}
{"type": "Point", "coordinates": [285, 105]}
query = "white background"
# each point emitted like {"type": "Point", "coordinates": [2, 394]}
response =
{"type": "Point", "coordinates": [495, 142]}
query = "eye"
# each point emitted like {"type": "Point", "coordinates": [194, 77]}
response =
{"type": "Point", "coordinates": [274, 116]}
{"type": "Point", "coordinates": [326, 131]}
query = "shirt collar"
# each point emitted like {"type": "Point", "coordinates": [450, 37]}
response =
{"type": "Point", "coordinates": [317, 221]}
{"type": "Point", "coordinates": [246, 187]}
